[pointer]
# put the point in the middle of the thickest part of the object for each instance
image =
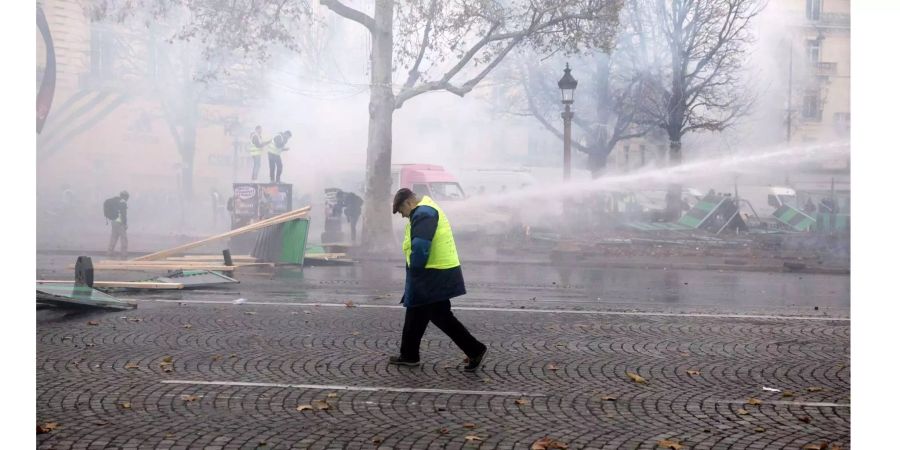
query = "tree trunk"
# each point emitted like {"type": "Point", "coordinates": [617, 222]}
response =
{"type": "Point", "coordinates": [673, 194]}
{"type": "Point", "coordinates": [597, 162]}
{"type": "Point", "coordinates": [376, 229]}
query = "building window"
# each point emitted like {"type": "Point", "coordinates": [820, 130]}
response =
{"type": "Point", "coordinates": [842, 123]}
{"type": "Point", "coordinates": [812, 106]}
{"type": "Point", "coordinates": [813, 9]}
{"type": "Point", "coordinates": [813, 47]}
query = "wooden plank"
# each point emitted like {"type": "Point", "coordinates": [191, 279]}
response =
{"type": "Point", "coordinates": [246, 258]}
{"type": "Point", "coordinates": [281, 218]}
{"type": "Point", "coordinates": [123, 284]}
{"type": "Point", "coordinates": [163, 267]}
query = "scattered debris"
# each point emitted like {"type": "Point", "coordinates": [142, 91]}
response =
{"type": "Point", "coordinates": [754, 401]}
{"type": "Point", "coordinates": [771, 389]}
{"type": "Point", "coordinates": [377, 440]}
{"type": "Point", "coordinates": [190, 398]}
{"type": "Point", "coordinates": [545, 443]}
{"type": "Point", "coordinates": [132, 366]}
{"type": "Point", "coordinates": [693, 373]}
{"type": "Point", "coordinates": [743, 411]}
{"type": "Point", "coordinates": [473, 438]}
{"type": "Point", "coordinates": [469, 425]}
{"type": "Point", "coordinates": [552, 366]}
{"type": "Point", "coordinates": [126, 405]}
{"type": "Point", "coordinates": [47, 427]}
{"type": "Point", "coordinates": [787, 394]}
{"type": "Point", "coordinates": [813, 389]}
{"type": "Point", "coordinates": [670, 444]}
{"type": "Point", "coordinates": [805, 419]}
{"type": "Point", "coordinates": [759, 429]}
{"type": "Point", "coordinates": [350, 304]}
{"type": "Point", "coordinates": [304, 407]}
{"type": "Point", "coordinates": [608, 398]}
{"type": "Point", "coordinates": [521, 402]}
{"type": "Point", "coordinates": [443, 431]}
{"type": "Point", "coordinates": [93, 322]}
{"type": "Point", "coordinates": [636, 378]}
{"type": "Point", "coordinates": [239, 301]}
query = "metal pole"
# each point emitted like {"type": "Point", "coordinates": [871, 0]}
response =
{"type": "Point", "coordinates": [567, 142]}
{"type": "Point", "coordinates": [790, 88]}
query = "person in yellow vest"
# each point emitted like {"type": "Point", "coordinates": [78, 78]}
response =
{"type": "Point", "coordinates": [278, 145]}
{"type": "Point", "coordinates": [433, 277]}
{"type": "Point", "coordinates": [257, 147]}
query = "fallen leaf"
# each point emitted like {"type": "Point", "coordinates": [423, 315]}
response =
{"type": "Point", "coordinates": [304, 407]}
{"type": "Point", "coordinates": [552, 366]}
{"type": "Point", "coordinates": [47, 427]}
{"type": "Point", "coordinates": [216, 357]}
{"type": "Point", "coordinates": [521, 402]}
{"type": "Point", "coordinates": [813, 389]}
{"type": "Point", "coordinates": [101, 423]}
{"type": "Point", "coordinates": [608, 398]}
{"type": "Point", "coordinates": [167, 360]}
{"type": "Point", "coordinates": [636, 378]}
{"type": "Point", "coordinates": [332, 395]}
{"type": "Point", "coordinates": [135, 319]}
{"type": "Point", "coordinates": [126, 405]}
{"type": "Point", "coordinates": [321, 404]}
{"type": "Point", "coordinates": [355, 333]}
{"type": "Point", "coordinates": [350, 304]}
{"type": "Point", "coordinates": [742, 411]}
{"type": "Point", "coordinates": [805, 419]}
{"type": "Point", "coordinates": [377, 440]}
{"type": "Point", "coordinates": [233, 355]}
{"type": "Point", "coordinates": [93, 322]}
{"type": "Point", "coordinates": [759, 429]}
{"type": "Point", "coordinates": [670, 444]}
{"type": "Point", "coordinates": [546, 443]}
{"type": "Point", "coordinates": [443, 431]}
{"type": "Point", "coordinates": [473, 438]}
{"type": "Point", "coordinates": [469, 425]}
{"type": "Point", "coordinates": [187, 326]}
{"type": "Point", "coordinates": [787, 394]}
{"type": "Point", "coordinates": [820, 446]}
{"type": "Point", "coordinates": [693, 372]}
{"type": "Point", "coordinates": [131, 366]}
{"type": "Point", "coordinates": [250, 313]}
{"type": "Point", "coordinates": [190, 398]}
{"type": "Point", "coordinates": [834, 446]}
{"type": "Point", "coordinates": [754, 401]}
{"type": "Point", "coordinates": [685, 354]}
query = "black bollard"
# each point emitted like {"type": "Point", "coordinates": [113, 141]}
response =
{"type": "Point", "coordinates": [227, 255]}
{"type": "Point", "coordinates": [84, 271]}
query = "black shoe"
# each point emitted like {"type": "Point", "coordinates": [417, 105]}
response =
{"type": "Point", "coordinates": [476, 361]}
{"type": "Point", "coordinates": [401, 361]}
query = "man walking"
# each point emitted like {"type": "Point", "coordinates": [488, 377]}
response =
{"type": "Point", "coordinates": [275, 166]}
{"type": "Point", "coordinates": [257, 147]}
{"type": "Point", "coordinates": [433, 277]}
{"type": "Point", "coordinates": [116, 211]}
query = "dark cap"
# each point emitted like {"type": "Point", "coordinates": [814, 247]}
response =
{"type": "Point", "coordinates": [401, 196]}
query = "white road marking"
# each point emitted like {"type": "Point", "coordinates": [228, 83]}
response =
{"type": "Point", "coordinates": [335, 387]}
{"type": "Point", "coordinates": [786, 403]}
{"type": "Point", "coordinates": [329, 387]}
{"type": "Point", "coordinates": [543, 311]}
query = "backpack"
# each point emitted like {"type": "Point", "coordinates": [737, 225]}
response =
{"type": "Point", "coordinates": [111, 208]}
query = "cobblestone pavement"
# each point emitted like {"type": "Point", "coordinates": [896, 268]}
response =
{"type": "Point", "coordinates": [557, 366]}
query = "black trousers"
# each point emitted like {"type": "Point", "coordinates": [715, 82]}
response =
{"type": "Point", "coordinates": [439, 313]}
{"type": "Point", "coordinates": [275, 168]}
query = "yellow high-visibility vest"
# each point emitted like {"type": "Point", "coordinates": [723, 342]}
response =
{"type": "Point", "coordinates": [443, 248]}
{"type": "Point", "coordinates": [252, 148]}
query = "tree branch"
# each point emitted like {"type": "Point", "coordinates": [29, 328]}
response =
{"type": "Point", "coordinates": [349, 13]}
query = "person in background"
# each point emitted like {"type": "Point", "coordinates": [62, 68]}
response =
{"type": "Point", "coordinates": [275, 164]}
{"type": "Point", "coordinates": [257, 147]}
{"type": "Point", "coordinates": [352, 209]}
{"type": "Point", "coordinates": [116, 211]}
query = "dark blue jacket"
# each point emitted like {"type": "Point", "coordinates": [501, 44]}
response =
{"type": "Point", "coordinates": [424, 286]}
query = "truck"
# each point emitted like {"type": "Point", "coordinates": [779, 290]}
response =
{"type": "Point", "coordinates": [427, 179]}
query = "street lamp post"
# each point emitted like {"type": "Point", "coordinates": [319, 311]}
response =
{"type": "Point", "coordinates": [567, 86]}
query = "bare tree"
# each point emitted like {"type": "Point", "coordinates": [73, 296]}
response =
{"type": "Point", "coordinates": [606, 106]}
{"type": "Point", "coordinates": [691, 53]}
{"type": "Point", "coordinates": [443, 45]}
